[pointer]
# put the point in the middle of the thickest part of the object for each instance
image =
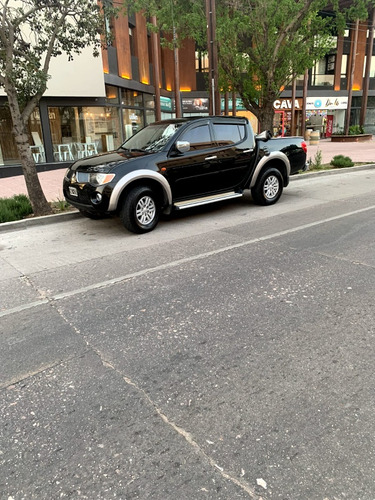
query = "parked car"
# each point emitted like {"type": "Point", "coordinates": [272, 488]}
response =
{"type": "Point", "coordinates": [181, 163]}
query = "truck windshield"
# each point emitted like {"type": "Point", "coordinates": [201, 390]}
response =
{"type": "Point", "coordinates": [151, 138]}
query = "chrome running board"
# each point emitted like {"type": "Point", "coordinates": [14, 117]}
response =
{"type": "Point", "coordinates": [196, 202]}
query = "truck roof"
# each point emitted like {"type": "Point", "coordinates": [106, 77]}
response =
{"type": "Point", "coordinates": [197, 118]}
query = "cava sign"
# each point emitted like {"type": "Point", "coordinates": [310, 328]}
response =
{"type": "Point", "coordinates": [285, 104]}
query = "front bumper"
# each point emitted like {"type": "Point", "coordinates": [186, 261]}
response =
{"type": "Point", "coordinates": [91, 198]}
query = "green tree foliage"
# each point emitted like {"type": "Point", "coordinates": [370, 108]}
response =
{"type": "Point", "coordinates": [264, 44]}
{"type": "Point", "coordinates": [351, 10]}
{"type": "Point", "coordinates": [31, 33]}
{"type": "Point", "coordinates": [186, 17]}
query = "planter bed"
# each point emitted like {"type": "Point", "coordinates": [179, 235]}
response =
{"type": "Point", "coordinates": [351, 138]}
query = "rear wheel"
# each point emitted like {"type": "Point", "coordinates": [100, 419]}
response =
{"type": "Point", "coordinates": [140, 211]}
{"type": "Point", "coordinates": [268, 188]}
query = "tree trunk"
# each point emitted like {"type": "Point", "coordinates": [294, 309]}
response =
{"type": "Point", "coordinates": [265, 116]}
{"type": "Point", "coordinates": [37, 198]}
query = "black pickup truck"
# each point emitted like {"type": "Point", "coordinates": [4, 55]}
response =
{"type": "Point", "coordinates": [182, 163]}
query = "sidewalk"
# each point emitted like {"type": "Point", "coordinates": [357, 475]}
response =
{"type": "Point", "coordinates": [363, 152]}
{"type": "Point", "coordinates": [51, 183]}
{"type": "Point", "coordinates": [359, 152]}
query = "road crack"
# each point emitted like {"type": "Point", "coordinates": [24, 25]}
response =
{"type": "Point", "coordinates": [26, 376]}
{"type": "Point", "coordinates": [176, 428]}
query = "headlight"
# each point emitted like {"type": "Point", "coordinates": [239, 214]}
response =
{"type": "Point", "coordinates": [99, 178]}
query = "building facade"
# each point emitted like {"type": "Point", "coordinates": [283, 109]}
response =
{"type": "Point", "coordinates": [328, 87]}
{"type": "Point", "coordinates": [93, 104]}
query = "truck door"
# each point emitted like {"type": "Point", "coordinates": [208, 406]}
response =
{"type": "Point", "coordinates": [235, 153]}
{"type": "Point", "coordinates": [191, 174]}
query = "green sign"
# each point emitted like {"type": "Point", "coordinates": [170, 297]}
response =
{"type": "Point", "coordinates": [166, 104]}
{"type": "Point", "coordinates": [239, 104]}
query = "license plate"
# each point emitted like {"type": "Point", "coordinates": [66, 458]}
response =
{"type": "Point", "coordinates": [73, 191]}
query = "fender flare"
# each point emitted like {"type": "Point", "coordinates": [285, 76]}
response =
{"type": "Point", "coordinates": [275, 155]}
{"type": "Point", "coordinates": [136, 175]}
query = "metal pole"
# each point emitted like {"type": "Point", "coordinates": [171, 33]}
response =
{"type": "Point", "coordinates": [176, 76]}
{"type": "Point", "coordinates": [351, 78]}
{"type": "Point", "coordinates": [155, 60]}
{"type": "Point", "coordinates": [293, 110]}
{"type": "Point", "coordinates": [234, 103]}
{"type": "Point", "coordinates": [226, 104]}
{"type": "Point", "coordinates": [215, 102]}
{"type": "Point", "coordinates": [366, 83]}
{"type": "Point", "coordinates": [215, 64]}
{"type": "Point", "coordinates": [305, 83]}
{"type": "Point", "coordinates": [209, 51]}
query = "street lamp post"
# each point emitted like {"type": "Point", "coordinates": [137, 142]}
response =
{"type": "Point", "coordinates": [215, 103]}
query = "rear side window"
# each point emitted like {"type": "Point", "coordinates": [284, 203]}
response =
{"type": "Point", "coordinates": [199, 138]}
{"type": "Point", "coordinates": [228, 133]}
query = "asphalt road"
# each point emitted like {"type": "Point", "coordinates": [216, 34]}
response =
{"type": "Point", "coordinates": [229, 354]}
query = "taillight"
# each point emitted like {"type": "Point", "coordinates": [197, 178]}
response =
{"type": "Point", "coordinates": [304, 146]}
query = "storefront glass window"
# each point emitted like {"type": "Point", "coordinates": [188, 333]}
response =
{"type": "Point", "coordinates": [78, 132]}
{"type": "Point", "coordinates": [131, 98]}
{"type": "Point", "coordinates": [344, 65]}
{"type": "Point", "coordinates": [372, 67]}
{"type": "Point", "coordinates": [112, 94]}
{"type": "Point", "coordinates": [133, 121]}
{"type": "Point", "coordinates": [8, 150]}
{"type": "Point", "coordinates": [149, 101]}
{"type": "Point", "coordinates": [319, 75]}
{"type": "Point", "coordinates": [150, 116]}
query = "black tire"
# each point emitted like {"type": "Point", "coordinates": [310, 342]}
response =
{"type": "Point", "coordinates": [268, 188]}
{"type": "Point", "coordinates": [141, 210]}
{"type": "Point", "coordinates": [90, 215]}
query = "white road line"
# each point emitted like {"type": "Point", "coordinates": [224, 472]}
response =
{"type": "Point", "coordinates": [179, 262]}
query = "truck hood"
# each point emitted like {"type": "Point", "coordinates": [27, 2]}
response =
{"type": "Point", "coordinates": [106, 162]}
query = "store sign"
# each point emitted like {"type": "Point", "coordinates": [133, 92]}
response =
{"type": "Point", "coordinates": [313, 103]}
{"type": "Point", "coordinates": [317, 103]}
{"type": "Point", "coordinates": [166, 104]}
{"type": "Point", "coordinates": [239, 104]}
{"type": "Point", "coordinates": [197, 105]}
{"type": "Point", "coordinates": [286, 104]}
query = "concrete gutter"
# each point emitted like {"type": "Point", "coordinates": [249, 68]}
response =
{"type": "Point", "coordinates": [66, 216]}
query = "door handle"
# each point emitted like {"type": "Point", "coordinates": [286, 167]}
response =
{"type": "Point", "coordinates": [211, 158]}
{"type": "Point", "coordinates": [248, 151]}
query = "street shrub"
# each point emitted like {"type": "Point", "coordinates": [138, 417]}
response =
{"type": "Point", "coordinates": [342, 161]}
{"type": "Point", "coordinates": [60, 205]}
{"type": "Point", "coordinates": [14, 208]}
{"type": "Point", "coordinates": [316, 163]}
{"type": "Point", "coordinates": [356, 130]}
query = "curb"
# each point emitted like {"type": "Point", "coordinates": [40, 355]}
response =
{"type": "Point", "coordinates": [39, 221]}
{"type": "Point", "coordinates": [65, 216]}
{"type": "Point", "coordinates": [334, 171]}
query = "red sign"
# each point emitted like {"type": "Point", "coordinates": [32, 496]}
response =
{"type": "Point", "coordinates": [329, 127]}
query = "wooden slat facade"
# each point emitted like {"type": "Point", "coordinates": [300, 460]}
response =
{"type": "Point", "coordinates": [122, 44]}
{"type": "Point", "coordinates": [142, 49]}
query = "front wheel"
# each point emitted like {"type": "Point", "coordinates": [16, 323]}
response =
{"type": "Point", "coordinates": [140, 211]}
{"type": "Point", "coordinates": [268, 188]}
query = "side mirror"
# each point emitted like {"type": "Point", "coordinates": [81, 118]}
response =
{"type": "Point", "coordinates": [183, 146]}
{"type": "Point", "coordinates": [264, 136]}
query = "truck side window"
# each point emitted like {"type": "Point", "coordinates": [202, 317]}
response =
{"type": "Point", "coordinates": [228, 133]}
{"type": "Point", "coordinates": [199, 138]}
